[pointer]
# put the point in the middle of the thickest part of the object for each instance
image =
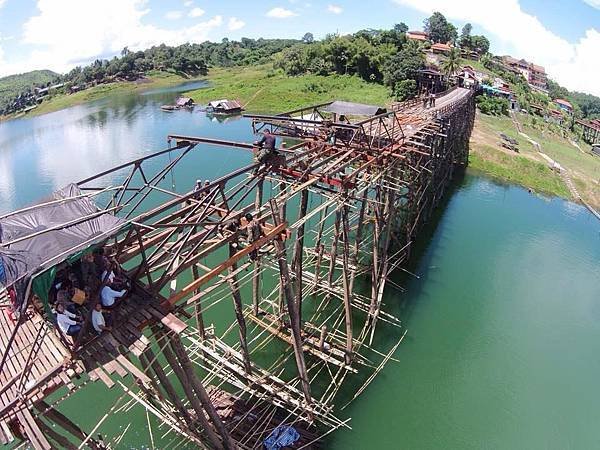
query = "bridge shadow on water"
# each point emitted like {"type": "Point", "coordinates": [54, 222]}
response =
{"type": "Point", "coordinates": [419, 262]}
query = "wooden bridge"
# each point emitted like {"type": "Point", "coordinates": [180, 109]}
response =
{"type": "Point", "coordinates": [338, 211]}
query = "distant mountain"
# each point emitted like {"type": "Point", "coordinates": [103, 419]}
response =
{"type": "Point", "coordinates": [13, 85]}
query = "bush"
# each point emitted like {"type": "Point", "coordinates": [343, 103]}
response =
{"type": "Point", "coordinates": [405, 89]}
{"type": "Point", "coordinates": [494, 106]}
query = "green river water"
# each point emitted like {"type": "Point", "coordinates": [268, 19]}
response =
{"type": "Point", "coordinates": [503, 342]}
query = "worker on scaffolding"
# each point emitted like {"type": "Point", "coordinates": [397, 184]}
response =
{"type": "Point", "coordinates": [266, 146]}
{"type": "Point", "coordinates": [254, 233]}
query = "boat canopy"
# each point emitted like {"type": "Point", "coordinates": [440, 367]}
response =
{"type": "Point", "coordinates": [36, 239]}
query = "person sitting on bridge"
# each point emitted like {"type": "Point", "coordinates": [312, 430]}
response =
{"type": "Point", "coordinates": [66, 321]}
{"type": "Point", "coordinates": [99, 322]}
{"type": "Point", "coordinates": [266, 145]}
{"type": "Point", "coordinates": [109, 296]}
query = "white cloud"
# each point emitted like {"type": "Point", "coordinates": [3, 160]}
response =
{"type": "Point", "coordinates": [174, 15]}
{"type": "Point", "coordinates": [188, 3]}
{"type": "Point", "coordinates": [513, 31]}
{"type": "Point", "coordinates": [593, 3]}
{"type": "Point", "coordinates": [235, 24]}
{"type": "Point", "coordinates": [334, 9]}
{"type": "Point", "coordinates": [196, 12]}
{"type": "Point", "coordinates": [116, 24]}
{"type": "Point", "coordinates": [281, 13]}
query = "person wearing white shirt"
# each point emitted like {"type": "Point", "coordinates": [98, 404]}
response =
{"type": "Point", "coordinates": [110, 279]}
{"type": "Point", "coordinates": [98, 321]}
{"type": "Point", "coordinates": [109, 295]}
{"type": "Point", "coordinates": [65, 322]}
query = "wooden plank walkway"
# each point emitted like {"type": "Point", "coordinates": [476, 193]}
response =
{"type": "Point", "coordinates": [100, 356]}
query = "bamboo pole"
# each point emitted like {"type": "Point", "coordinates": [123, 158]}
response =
{"type": "Point", "coordinates": [256, 275]}
{"type": "Point", "coordinates": [346, 283]}
{"type": "Point", "coordinates": [186, 383]}
{"type": "Point", "coordinates": [239, 311]}
{"type": "Point", "coordinates": [297, 257]}
{"type": "Point", "coordinates": [292, 310]}
{"type": "Point", "coordinates": [196, 386]}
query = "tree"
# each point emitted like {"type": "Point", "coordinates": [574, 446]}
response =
{"type": "Point", "coordinates": [405, 89]}
{"type": "Point", "coordinates": [401, 27]}
{"type": "Point", "coordinates": [404, 65]}
{"type": "Point", "coordinates": [308, 38]}
{"type": "Point", "coordinates": [439, 29]}
{"type": "Point", "coordinates": [486, 60]}
{"type": "Point", "coordinates": [495, 106]}
{"type": "Point", "coordinates": [465, 36]}
{"type": "Point", "coordinates": [480, 44]}
{"type": "Point", "coordinates": [452, 62]}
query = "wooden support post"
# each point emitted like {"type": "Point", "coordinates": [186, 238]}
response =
{"type": "Point", "coordinates": [282, 215]}
{"type": "Point", "coordinates": [198, 305]}
{"type": "Point", "coordinates": [358, 238]}
{"type": "Point", "coordinates": [167, 386]}
{"type": "Point", "coordinates": [376, 238]}
{"type": "Point", "coordinates": [318, 246]}
{"type": "Point", "coordinates": [59, 439]}
{"type": "Point", "coordinates": [186, 383]}
{"type": "Point", "coordinates": [346, 283]}
{"type": "Point", "coordinates": [284, 275]}
{"type": "Point", "coordinates": [256, 296]}
{"type": "Point", "coordinates": [196, 386]}
{"type": "Point", "coordinates": [239, 311]}
{"type": "Point", "coordinates": [63, 421]}
{"type": "Point", "coordinates": [334, 249]}
{"type": "Point", "coordinates": [298, 255]}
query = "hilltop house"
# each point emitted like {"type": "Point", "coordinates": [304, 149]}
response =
{"type": "Point", "coordinates": [534, 74]}
{"type": "Point", "coordinates": [564, 105]}
{"type": "Point", "coordinates": [438, 47]}
{"type": "Point", "coordinates": [417, 36]}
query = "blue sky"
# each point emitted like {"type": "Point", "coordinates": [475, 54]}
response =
{"type": "Point", "coordinates": [563, 36]}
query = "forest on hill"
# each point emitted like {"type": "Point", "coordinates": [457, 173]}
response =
{"type": "Point", "coordinates": [13, 85]}
{"type": "Point", "coordinates": [385, 57]}
{"type": "Point", "coordinates": [187, 59]}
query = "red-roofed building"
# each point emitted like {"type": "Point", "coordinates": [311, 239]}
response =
{"type": "Point", "coordinates": [417, 35]}
{"type": "Point", "coordinates": [438, 47]}
{"type": "Point", "coordinates": [564, 105]}
{"type": "Point", "coordinates": [534, 74]}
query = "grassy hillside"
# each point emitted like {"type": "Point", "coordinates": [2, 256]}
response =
{"type": "Point", "coordinates": [262, 89]}
{"type": "Point", "coordinates": [12, 85]}
{"type": "Point", "coordinates": [529, 168]}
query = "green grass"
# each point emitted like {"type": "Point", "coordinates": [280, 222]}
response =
{"type": "Point", "coordinates": [502, 124]}
{"type": "Point", "coordinates": [583, 168]}
{"type": "Point", "coordinates": [478, 67]}
{"type": "Point", "coordinates": [517, 169]}
{"type": "Point", "coordinates": [262, 89]}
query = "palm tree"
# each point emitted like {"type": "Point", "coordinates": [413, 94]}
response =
{"type": "Point", "coordinates": [452, 62]}
{"type": "Point", "coordinates": [486, 60]}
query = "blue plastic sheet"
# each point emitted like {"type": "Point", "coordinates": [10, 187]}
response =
{"type": "Point", "coordinates": [282, 436]}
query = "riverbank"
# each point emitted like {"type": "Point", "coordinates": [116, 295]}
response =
{"type": "Point", "coordinates": [153, 80]}
{"type": "Point", "coordinates": [265, 90]}
{"type": "Point", "coordinates": [529, 167]}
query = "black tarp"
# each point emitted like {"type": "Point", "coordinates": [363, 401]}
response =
{"type": "Point", "coordinates": [70, 229]}
{"type": "Point", "coordinates": [353, 109]}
